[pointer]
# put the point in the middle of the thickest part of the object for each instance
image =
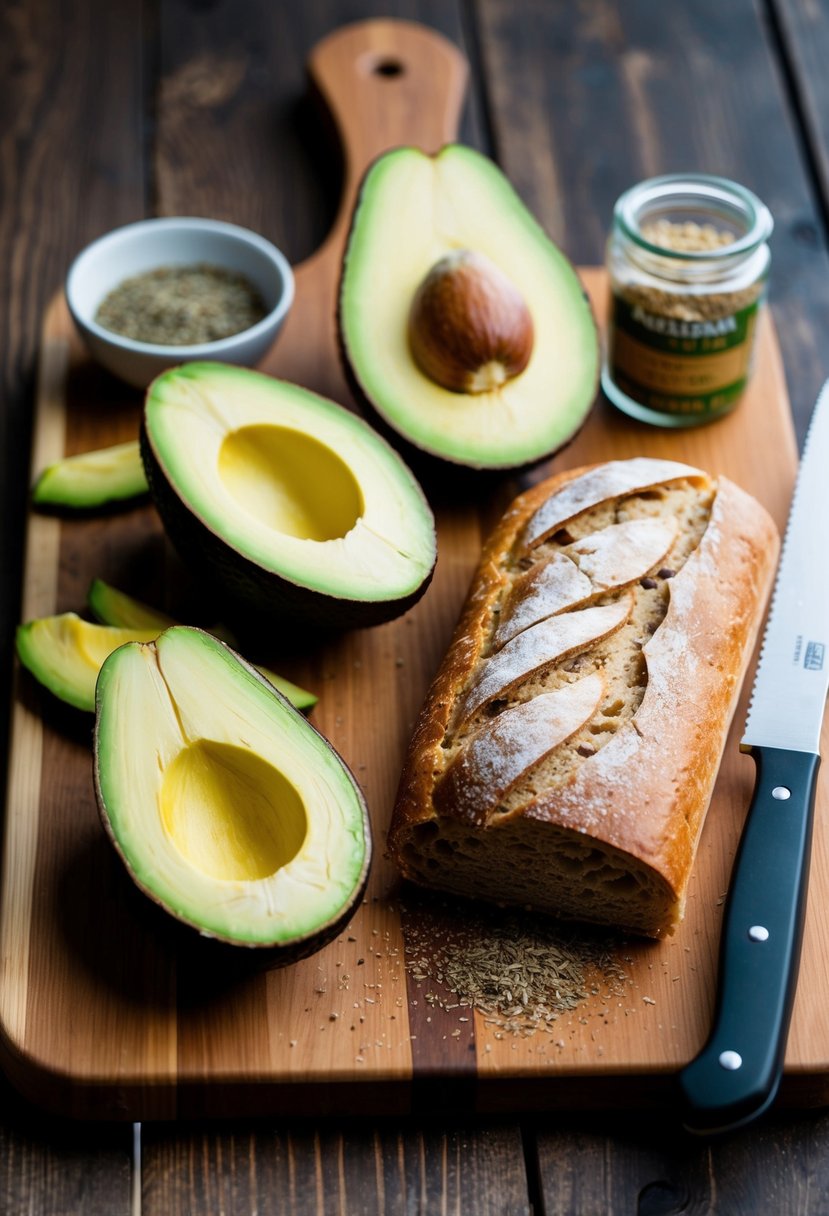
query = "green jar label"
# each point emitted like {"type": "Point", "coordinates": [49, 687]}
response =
{"type": "Point", "coordinates": [695, 368]}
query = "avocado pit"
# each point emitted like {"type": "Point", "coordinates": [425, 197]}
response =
{"type": "Point", "coordinates": [470, 329]}
{"type": "Point", "coordinates": [420, 227]}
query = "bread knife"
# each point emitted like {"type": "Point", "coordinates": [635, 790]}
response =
{"type": "Point", "coordinates": [737, 1074]}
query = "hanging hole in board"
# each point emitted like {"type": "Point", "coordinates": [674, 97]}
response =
{"type": "Point", "coordinates": [389, 68]}
{"type": "Point", "coordinates": [384, 66]}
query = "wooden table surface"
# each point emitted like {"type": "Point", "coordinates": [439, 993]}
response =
{"type": "Point", "coordinates": [110, 112]}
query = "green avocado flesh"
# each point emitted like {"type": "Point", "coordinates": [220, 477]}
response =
{"type": "Point", "coordinates": [413, 210]}
{"type": "Point", "coordinates": [65, 653]}
{"type": "Point", "coordinates": [114, 607]}
{"type": "Point", "coordinates": [227, 807]}
{"type": "Point", "coordinates": [293, 504]}
{"type": "Point", "coordinates": [93, 478]}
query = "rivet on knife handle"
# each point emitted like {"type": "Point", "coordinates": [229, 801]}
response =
{"type": "Point", "coordinates": [736, 1075]}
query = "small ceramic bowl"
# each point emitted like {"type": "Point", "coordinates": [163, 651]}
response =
{"type": "Point", "coordinates": [188, 241]}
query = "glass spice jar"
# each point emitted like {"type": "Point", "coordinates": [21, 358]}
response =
{"type": "Point", "coordinates": [688, 261]}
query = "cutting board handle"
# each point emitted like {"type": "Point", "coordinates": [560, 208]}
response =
{"type": "Point", "coordinates": [386, 83]}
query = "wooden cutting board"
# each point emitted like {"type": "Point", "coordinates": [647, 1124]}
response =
{"type": "Point", "coordinates": [102, 1013]}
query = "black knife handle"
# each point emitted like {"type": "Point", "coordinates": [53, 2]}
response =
{"type": "Point", "coordinates": [736, 1075]}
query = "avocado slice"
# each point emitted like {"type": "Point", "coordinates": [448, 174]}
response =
{"type": "Point", "coordinates": [92, 479]}
{"type": "Point", "coordinates": [424, 229]}
{"type": "Point", "coordinates": [294, 505]}
{"type": "Point", "coordinates": [114, 607]}
{"type": "Point", "coordinates": [65, 654]}
{"type": "Point", "coordinates": [226, 806]}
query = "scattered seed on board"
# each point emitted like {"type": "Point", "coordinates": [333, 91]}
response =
{"type": "Point", "coordinates": [521, 974]}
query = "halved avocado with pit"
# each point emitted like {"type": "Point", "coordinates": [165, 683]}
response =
{"type": "Point", "coordinates": [461, 323]}
{"type": "Point", "coordinates": [227, 807]}
{"type": "Point", "coordinates": [294, 506]}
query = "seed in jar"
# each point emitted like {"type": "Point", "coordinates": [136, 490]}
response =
{"type": "Point", "coordinates": [686, 237]}
{"type": "Point", "coordinates": [181, 305]}
{"type": "Point", "coordinates": [709, 305]}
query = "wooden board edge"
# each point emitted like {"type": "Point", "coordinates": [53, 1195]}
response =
{"type": "Point", "coordinates": [86, 1098]}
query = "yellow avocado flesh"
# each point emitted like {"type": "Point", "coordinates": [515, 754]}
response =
{"type": "Point", "coordinates": [114, 607]}
{"type": "Point", "coordinates": [292, 482]}
{"type": "Point", "coordinates": [415, 209]}
{"type": "Point", "coordinates": [226, 805]}
{"type": "Point", "coordinates": [229, 813]}
{"type": "Point", "coordinates": [66, 653]}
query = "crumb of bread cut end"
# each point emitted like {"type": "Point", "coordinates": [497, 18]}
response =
{"type": "Point", "coordinates": [543, 868]}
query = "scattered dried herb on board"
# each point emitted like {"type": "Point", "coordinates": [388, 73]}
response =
{"type": "Point", "coordinates": [522, 973]}
{"type": "Point", "coordinates": [181, 306]}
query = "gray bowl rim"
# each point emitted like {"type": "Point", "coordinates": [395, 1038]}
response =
{"type": "Point", "coordinates": [271, 320]}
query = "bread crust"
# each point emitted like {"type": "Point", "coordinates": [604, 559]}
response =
{"type": "Point", "coordinates": [645, 793]}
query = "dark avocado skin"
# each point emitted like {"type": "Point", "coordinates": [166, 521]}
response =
{"type": "Point", "coordinates": [429, 466]}
{"type": "Point", "coordinates": [248, 595]}
{"type": "Point", "coordinates": [208, 959]}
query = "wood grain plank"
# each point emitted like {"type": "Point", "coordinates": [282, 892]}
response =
{"type": "Point", "coordinates": [50, 1166]}
{"type": "Point", "coordinates": [650, 1168]}
{"type": "Point", "coordinates": [227, 83]}
{"type": "Point", "coordinates": [804, 35]}
{"type": "Point", "coordinates": [633, 95]}
{"type": "Point", "coordinates": [468, 1169]}
{"type": "Point", "coordinates": [643, 1167]}
{"type": "Point", "coordinates": [71, 168]}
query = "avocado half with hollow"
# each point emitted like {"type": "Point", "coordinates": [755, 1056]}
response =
{"type": "Point", "coordinates": [461, 323]}
{"type": "Point", "coordinates": [227, 807]}
{"type": "Point", "coordinates": [295, 506]}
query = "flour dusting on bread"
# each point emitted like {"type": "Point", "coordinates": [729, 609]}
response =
{"type": "Point", "coordinates": [567, 750]}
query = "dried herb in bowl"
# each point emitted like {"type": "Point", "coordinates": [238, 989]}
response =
{"type": "Point", "coordinates": [181, 306]}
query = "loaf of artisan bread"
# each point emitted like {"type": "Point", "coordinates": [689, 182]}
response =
{"type": "Point", "coordinates": [568, 747]}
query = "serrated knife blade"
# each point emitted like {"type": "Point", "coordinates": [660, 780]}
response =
{"type": "Point", "coordinates": [737, 1074]}
{"type": "Point", "coordinates": [792, 680]}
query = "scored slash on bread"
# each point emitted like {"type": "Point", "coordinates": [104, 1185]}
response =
{"type": "Point", "coordinates": [539, 647]}
{"type": "Point", "coordinates": [501, 752]}
{"type": "Point", "coordinates": [646, 588]}
{"type": "Point", "coordinates": [613, 480]}
{"type": "Point", "coordinates": [613, 558]}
